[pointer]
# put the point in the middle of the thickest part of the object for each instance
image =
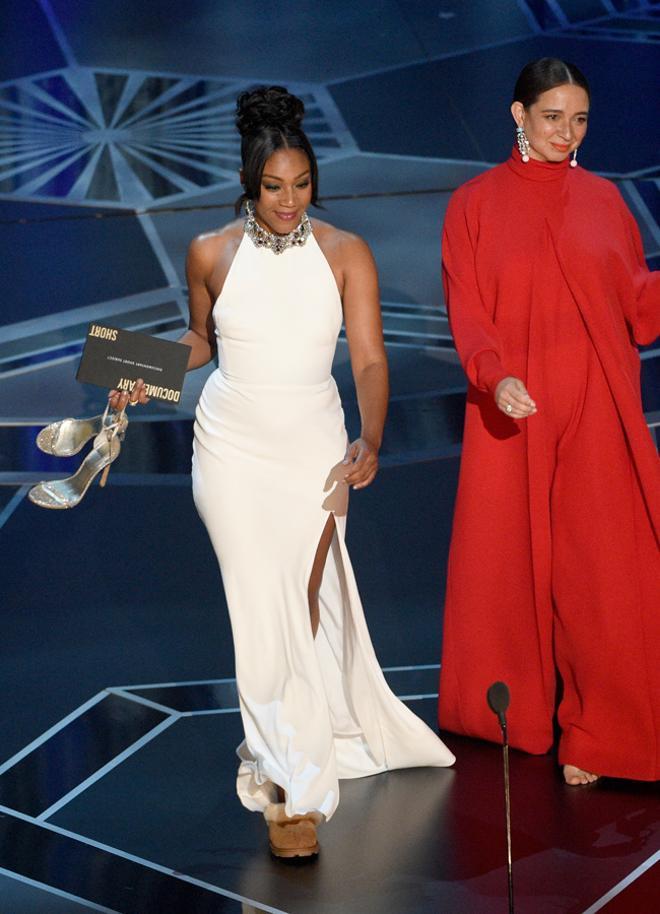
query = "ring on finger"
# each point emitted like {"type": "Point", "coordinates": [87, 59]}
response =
{"type": "Point", "coordinates": [508, 408]}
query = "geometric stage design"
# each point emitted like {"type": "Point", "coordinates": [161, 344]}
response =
{"type": "Point", "coordinates": [129, 137]}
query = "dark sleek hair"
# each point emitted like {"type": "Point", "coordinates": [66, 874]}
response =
{"type": "Point", "coordinates": [269, 118]}
{"type": "Point", "coordinates": [546, 73]}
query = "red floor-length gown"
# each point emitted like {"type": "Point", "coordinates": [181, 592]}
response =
{"type": "Point", "coordinates": [554, 562]}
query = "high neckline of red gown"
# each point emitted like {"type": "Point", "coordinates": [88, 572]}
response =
{"type": "Point", "coordinates": [537, 171]}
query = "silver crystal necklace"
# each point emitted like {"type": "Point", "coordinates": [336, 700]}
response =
{"type": "Point", "coordinates": [262, 238]}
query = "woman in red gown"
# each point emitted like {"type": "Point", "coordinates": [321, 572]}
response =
{"type": "Point", "coordinates": [554, 569]}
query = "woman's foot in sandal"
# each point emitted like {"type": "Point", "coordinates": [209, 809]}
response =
{"type": "Point", "coordinates": [575, 776]}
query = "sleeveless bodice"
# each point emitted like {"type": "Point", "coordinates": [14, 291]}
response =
{"type": "Point", "coordinates": [278, 317]}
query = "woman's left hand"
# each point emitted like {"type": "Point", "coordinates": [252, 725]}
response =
{"type": "Point", "coordinates": [362, 460]}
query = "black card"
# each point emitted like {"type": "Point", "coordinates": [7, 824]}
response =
{"type": "Point", "coordinates": [116, 358]}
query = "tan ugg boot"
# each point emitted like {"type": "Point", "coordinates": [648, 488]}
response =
{"type": "Point", "coordinates": [292, 836]}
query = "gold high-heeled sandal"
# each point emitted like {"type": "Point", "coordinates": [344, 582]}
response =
{"type": "Point", "coordinates": [68, 436]}
{"type": "Point", "coordinates": [67, 493]}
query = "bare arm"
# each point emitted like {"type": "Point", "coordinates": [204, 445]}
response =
{"type": "Point", "coordinates": [204, 255]}
{"type": "Point", "coordinates": [364, 332]}
{"type": "Point", "coordinates": [200, 335]}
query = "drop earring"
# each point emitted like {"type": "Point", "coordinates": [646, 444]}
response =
{"type": "Point", "coordinates": [523, 143]}
{"type": "Point", "coordinates": [574, 159]}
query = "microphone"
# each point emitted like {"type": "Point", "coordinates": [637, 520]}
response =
{"type": "Point", "coordinates": [498, 698]}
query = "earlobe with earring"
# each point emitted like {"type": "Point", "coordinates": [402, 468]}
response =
{"type": "Point", "coordinates": [523, 143]}
{"type": "Point", "coordinates": [574, 159]}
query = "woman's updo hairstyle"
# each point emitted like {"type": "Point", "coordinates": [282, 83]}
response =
{"type": "Point", "coordinates": [269, 118]}
{"type": "Point", "coordinates": [538, 76]}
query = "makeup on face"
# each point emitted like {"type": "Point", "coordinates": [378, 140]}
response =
{"type": "Point", "coordinates": [556, 123]}
{"type": "Point", "coordinates": [286, 191]}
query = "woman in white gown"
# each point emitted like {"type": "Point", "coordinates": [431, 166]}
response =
{"type": "Point", "coordinates": [272, 468]}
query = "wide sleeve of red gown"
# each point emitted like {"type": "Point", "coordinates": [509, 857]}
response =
{"type": "Point", "coordinates": [475, 335]}
{"type": "Point", "coordinates": [643, 309]}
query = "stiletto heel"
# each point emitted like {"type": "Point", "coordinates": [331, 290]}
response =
{"type": "Point", "coordinates": [67, 493]}
{"type": "Point", "coordinates": [68, 436]}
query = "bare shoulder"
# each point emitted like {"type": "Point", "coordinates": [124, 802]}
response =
{"type": "Point", "coordinates": [210, 248]}
{"type": "Point", "coordinates": [343, 247]}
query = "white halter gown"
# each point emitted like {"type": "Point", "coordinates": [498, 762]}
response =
{"type": "Point", "coordinates": [269, 442]}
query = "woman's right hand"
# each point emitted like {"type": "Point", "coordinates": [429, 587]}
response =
{"type": "Point", "coordinates": [120, 399]}
{"type": "Point", "coordinates": [512, 398]}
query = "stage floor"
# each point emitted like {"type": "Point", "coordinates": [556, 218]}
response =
{"type": "Point", "coordinates": [158, 828]}
{"type": "Point", "coordinates": [128, 804]}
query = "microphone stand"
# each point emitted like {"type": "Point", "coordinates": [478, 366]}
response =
{"type": "Point", "coordinates": [507, 809]}
{"type": "Point", "coordinates": [498, 698]}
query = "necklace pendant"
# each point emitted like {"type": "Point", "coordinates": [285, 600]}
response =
{"type": "Point", "coordinates": [262, 238]}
